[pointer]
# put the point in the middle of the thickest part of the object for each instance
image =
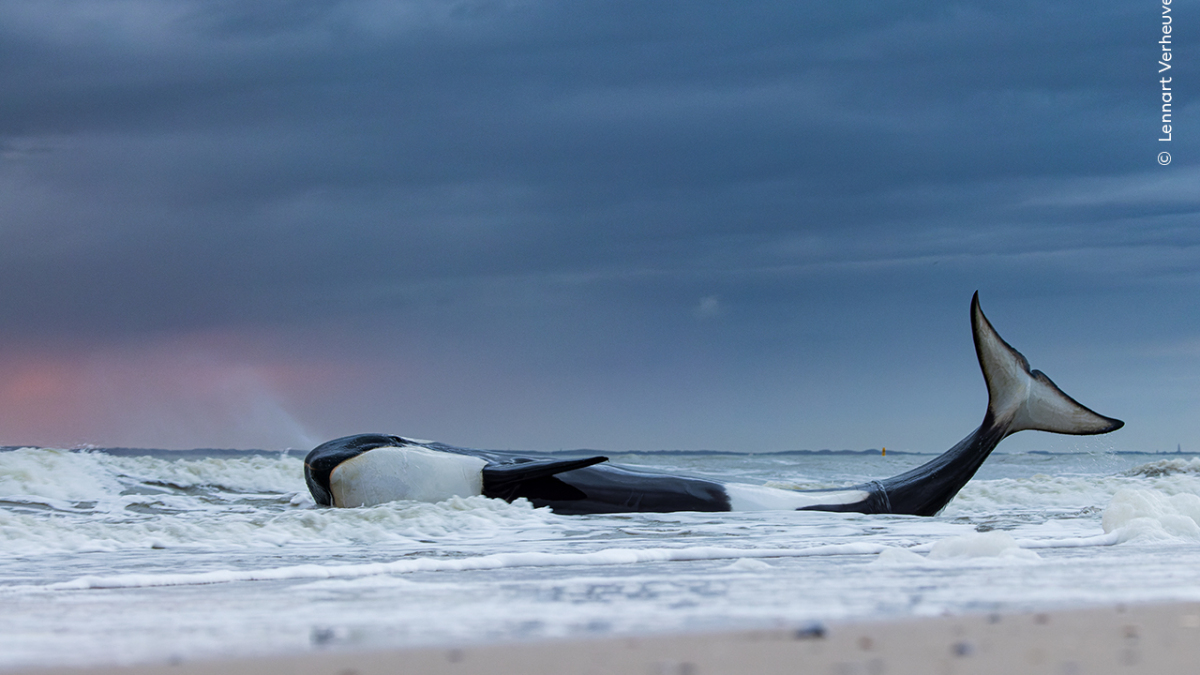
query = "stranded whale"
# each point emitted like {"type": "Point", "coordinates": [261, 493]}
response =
{"type": "Point", "coordinates": [375, 468]}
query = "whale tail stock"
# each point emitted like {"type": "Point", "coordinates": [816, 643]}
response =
{"type": "Point", "coordinates": [1018, 399]}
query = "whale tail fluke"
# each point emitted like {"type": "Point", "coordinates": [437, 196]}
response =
{"type": "Point", "coordinates": [1025, 398]}
{"type": "Point", "coordinates": [1018, 399]}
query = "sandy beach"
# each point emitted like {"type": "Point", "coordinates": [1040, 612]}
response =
{"type": "Point", "coordinates": [1117, 639]}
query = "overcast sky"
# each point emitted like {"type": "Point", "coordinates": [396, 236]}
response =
{"type": "Point", "coordinates": [617, 225]}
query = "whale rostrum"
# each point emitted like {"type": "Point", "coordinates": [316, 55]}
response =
{"type": "Point", "coordinates": [369, 469]}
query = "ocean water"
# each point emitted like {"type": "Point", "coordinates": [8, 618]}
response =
{"type": "Point", "coordinates": [118, 556]}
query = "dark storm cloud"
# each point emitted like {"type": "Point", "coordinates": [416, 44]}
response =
{"type": "Point", "coordinates": [692, 82]}
{"type": "Point", "coordinates": [550, 179]}
{"type": "Point", "coordinates": [634, 96]}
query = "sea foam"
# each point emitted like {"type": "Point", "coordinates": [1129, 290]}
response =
{"type": "Point", "coordinates": [1152, 515]}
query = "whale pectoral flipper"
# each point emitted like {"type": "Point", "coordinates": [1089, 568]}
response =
{"type": "Point", "coordinates": [534, 479]}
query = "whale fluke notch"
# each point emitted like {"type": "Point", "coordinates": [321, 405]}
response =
{"type": "Point", "coordinates": [534, 478]}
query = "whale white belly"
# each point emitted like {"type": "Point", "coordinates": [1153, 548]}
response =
{"type": "Point", "coordinates": [744, 497]}
{"type": "Point", "coordinates": [412, 472]}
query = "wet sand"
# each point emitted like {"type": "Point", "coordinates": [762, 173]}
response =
{"type": "Point", "coordinates": [1117, 639]}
